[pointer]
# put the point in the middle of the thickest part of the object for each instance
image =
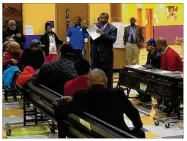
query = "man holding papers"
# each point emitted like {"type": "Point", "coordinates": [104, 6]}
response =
{"type": "Point", "coordinates": [102, 46]}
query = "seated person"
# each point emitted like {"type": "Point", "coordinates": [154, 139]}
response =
{"type": "Point", "coordinates": [32, 59]}
{"type": "Point", "coordinates": [106, 104]}
{"type": "Point", "coordinates": [5, 47]}
{"type": "Point", "coordinates": [36, 44]}
{"type": "Point", "coordinates": [170, 60]}
{"type": "Point", "coordinates": [6, 43]}
{"type": "Point", "coordinates": [12, 55]}
{"type": "Point", "coordinates": [54, 75]}
{"type": "Point", "coordinates": [153, 56]}
{"type": "Point", "coordinates": [82, 68]}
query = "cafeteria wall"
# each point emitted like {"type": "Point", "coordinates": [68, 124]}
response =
{"type": "Point", "coordinates": [36, 15]}
{"type": "Point", "coordinates": [96, 9]}
{"type": "Point", "coordinates": [163, 28]}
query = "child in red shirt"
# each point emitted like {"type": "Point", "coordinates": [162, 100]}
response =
{"type": "Point", "coordinates": [82, 67]}
{"type": "Point", "coordinates": [32, 59]}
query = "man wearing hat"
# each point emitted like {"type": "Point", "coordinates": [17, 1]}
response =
{"type": "Point", "coordinates": [153, 60]}
{"type": "Point", "coordinates": [153, 56]}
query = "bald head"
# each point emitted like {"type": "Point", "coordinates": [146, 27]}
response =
{"type": "Point", "coordinates": [97, 76]}
{"type": "Point", "coordinates": [132, 21]}
{"type": "Point", "coordinates": [12, 24]}
{"type": "Point", "coordinates": [14, 46]}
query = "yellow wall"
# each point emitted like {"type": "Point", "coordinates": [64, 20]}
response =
{"type": "Point", "coordinates": [36, 15]}
{"type": "Point", "coordinates": [129, 10]}
{"type": "Point", "coordinates": [96, 10]}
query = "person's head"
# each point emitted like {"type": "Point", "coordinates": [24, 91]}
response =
{"type": "Point", "coordinates": [14, 47]}
{"type": "Point", "coordinates": [12, 24]}
{"type": "Point", "coordinates": [99, 20]}
{"type": "Point", "coordinates": [77, 21]}
{"type": "Point", "coordinates": [36, 44]}
{"type": "Point", "coordinates": [82, 67]}
{"type": "Point", "coordinates": [171, 10]}
{"type": "Point", "coordinates": [151, 45]}
{"type": "Point", "coordinates": [96, 77]}
{"type": "Point", "coordinates": [132, 21]}
{"type": "Point", "coordinates": [9, 38]}
{"type": "Point", "coordinates": [161, 44]}
{"type": "Point", "coordinates": [48, 27]}
{"type": "Point", "coordinates": [6, 46]}
{"type": "Point", "coordinates": [66, 50]}
{"type": "Point", "coordinates": [32, 57]}
{"type": "Point", "coordinates": [103, 19]}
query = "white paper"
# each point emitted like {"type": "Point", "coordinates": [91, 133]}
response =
{"type": "Point", "coordinates": [120, 33]}
{"type": "Point", "coordinates": [53, 29]}
{"type": "Point", "coordinates": [28, 30]}
{"type": "Point", "coordinates": [92, 32]}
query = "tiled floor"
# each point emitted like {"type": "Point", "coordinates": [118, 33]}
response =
{"type": "Point", "coordinates": [152, 131]}
{"type": "Point", "coordinates": [13, 114]}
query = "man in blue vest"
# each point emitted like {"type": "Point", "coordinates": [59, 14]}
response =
{"type": "Point", "coordinates": [77, 37]}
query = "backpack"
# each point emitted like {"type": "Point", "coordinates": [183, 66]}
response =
{"type": "Point", "coordinates": [8, 76]}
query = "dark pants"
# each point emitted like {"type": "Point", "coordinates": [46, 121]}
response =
{"type": "Point", "coordinates": [106, 66]}
{"type": "Point", "coordinates": [78, 54]}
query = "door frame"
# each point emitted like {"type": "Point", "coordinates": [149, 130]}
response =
{"type": "Point", "coordinates": [151, 23]}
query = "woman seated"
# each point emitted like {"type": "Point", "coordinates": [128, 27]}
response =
{"type": "Point", "coordinates": [32, 59]}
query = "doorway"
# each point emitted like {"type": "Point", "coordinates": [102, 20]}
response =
{"type": "Point", "coordinates": [149, 24]}
{"type": "Point", "coordinates": [139, 17]}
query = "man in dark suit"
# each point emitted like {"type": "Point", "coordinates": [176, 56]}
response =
{"type": "Point", "coordinates": [133, 41]}
{"type": "Point", "coordinates": [106, 104]}
{"type": "Point", "coordinates": [102, 48]}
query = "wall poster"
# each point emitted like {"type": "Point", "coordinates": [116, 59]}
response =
{"type": "Point", "coordinates": [171, 12]}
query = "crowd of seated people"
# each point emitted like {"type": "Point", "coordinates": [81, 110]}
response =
{"type": "Point", "coordinates": [85, 90]}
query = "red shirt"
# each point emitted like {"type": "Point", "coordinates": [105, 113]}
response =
{"type": "Point", "coordinates": [171, 61]}
{"type": "Point", "coordinates": [74, 85]}
{"type": "Point", "coordinates": [25, 76]}
{"type": "Point", "coordinates": [7, 56]}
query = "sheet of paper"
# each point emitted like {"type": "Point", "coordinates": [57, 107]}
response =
{"type": "Point", "coordinates": [28, 30]}
{"type": "Point", "coordinates": [92, 32]}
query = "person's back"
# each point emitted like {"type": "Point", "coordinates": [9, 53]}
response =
{"type": "Point", "coordinates": [82, 68]}
{"type": "Point", "coordinates": [31, 60]}
{"type": "Point", "coordinates": [108, 105]}
{"type": "Point", "coordinates": [171, 61]}
{"type": "Point", "coordinates": [54, 75]}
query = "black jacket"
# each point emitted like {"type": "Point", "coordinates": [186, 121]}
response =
{"type": "Point", "coordinates": [10, 32]}
{"type": "Point", "coordinates": [108, 105]}
{"type": "Point", "coordinates": [102, 48]}
{"type": "Point", "coordinates": [45, 40]}
{"type": "Point", "coordinates": [54, 75]}
{"type": "Point", "coordinates": [154, 59]}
